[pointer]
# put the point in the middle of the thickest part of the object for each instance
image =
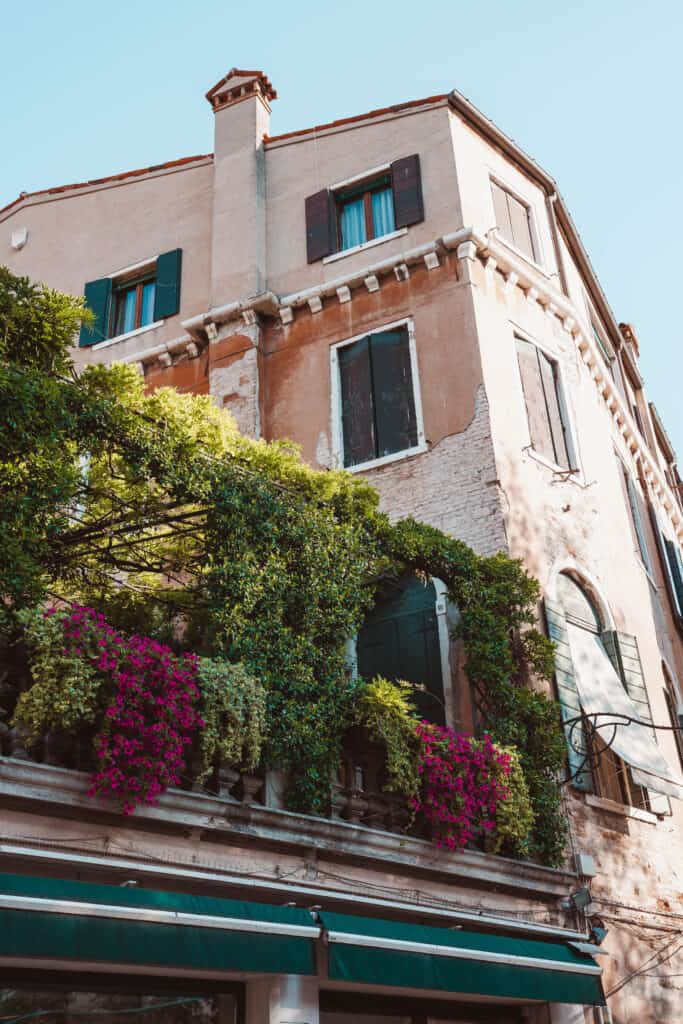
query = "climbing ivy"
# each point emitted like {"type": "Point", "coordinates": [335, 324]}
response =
{"type": "Point", "coordinates": [156, 511]}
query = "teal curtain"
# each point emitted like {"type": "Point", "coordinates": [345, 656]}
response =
{"type": "Point", "coordinates": [383, 212]}
{"type": "Point", "coordinates": [147, 311]}
{"type": "Point", "coordinates": [353, 224]}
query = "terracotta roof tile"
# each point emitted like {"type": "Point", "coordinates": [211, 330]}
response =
{"type": "Point", "coordinates": [358, 117]}
{"type": "Point", "coordinates": [58, 189]}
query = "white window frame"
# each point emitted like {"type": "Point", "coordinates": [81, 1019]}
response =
{"type": "Point", "coordinates": [120, 275]}
{"type": "Point", "coordinates": [357, 179]}
{"type": "Point", "coordinates": [337, 429]}
{"type": "Point", "coordinates": [575, 471]}
{"type": "Point", "coordinates": [538, 259]}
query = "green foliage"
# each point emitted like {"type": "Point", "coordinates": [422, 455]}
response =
{"type": "Point", "coordinates": [515, 815]}
{"type": "Point", "coordinates": [233, 708]}
{"type": "Point", "coordinates": [37, 324]}
{"type": "Point", "coordinates": [67, 691]}
{"type": "Point", "coordinates": [154, 509]}
{"type": "Point", "coordinates": [385, 710]}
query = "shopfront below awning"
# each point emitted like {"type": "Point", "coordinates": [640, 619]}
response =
{"type": "Point", "coordinates": [47, 920]}
{"type": "Point", "coordinates": [372, 951]}
{"type": "Point", "coordinates": [605, 701]}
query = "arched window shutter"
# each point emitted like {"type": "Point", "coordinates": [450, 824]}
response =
{"type": "Point", "coordinates": [568, 696]}
{"type": "Point", "coordinates": [622, 649]}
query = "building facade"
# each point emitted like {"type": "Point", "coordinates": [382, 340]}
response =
{"type": "Point", "coordinates": [403, 294]}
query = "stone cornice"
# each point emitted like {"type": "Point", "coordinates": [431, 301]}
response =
{"type": "Point", "coordinates": [468, 245]}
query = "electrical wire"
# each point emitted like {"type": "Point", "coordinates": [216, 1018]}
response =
{"type": "Point", "coordinates": [646, 964]}
{"type": "Point", "coordinates": [100, 1013]}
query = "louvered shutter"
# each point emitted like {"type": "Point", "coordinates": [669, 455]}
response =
{"type": "Point", "coordinates": [622, 650]}
{"type": "Point", "coordinates": [534, 399]}
{"type": "Point", "coordinates": [393, 391]}
{"type": "Point", "coordinates": [406, 182]}
{"type": "Point", "coordinates": [501, 211]}
{"type": "Point", "coordinates": [167, 290]}
{"type": "Point", "coordinates": [357, 410]}
{"type": "Point", "coordinates": [549, 381]}
{"type": "Point", "coordinates": [321, 226]}
{"type": "Point", "coordinates": [98, 299]}
{"type": "Point", "coordinates": [568, 696]}
{"type": "Point", "coordinates": [634, 502]}
{"type": "Point", "coordinates": [666, 567]}
{"type": "Point", "coordinates": [676, 570]}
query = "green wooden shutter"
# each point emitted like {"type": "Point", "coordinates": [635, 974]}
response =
{"type": "Point", "coordinates": [568, 696]}
{"type": "Point", "coordinates": [167, 291]}
{"type": "Point", "coordinates": [400, 640]}
{"type": "Point", "coordinates": [392, 385]}
{"type": "Point", "coordinates": [622, 649]}
{"type": "Point", "coordinates": [98, 299]}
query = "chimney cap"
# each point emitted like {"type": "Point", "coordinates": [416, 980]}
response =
{"type": "Point", "coordinates": [239, 83]}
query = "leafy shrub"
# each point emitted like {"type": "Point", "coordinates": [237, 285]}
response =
{"type": "Point", "coordinates": [233, 708]}
{"type": "Point", "coordinates": [385, 710]}
{"type": "Point", "coordinates": [70, 669]}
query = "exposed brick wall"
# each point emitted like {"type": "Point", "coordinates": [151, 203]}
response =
{"type": "Point", "coordinates": [453, 486]}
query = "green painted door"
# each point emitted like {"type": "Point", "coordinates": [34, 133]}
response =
{"type": "Point", "coordinates": [400, 640]}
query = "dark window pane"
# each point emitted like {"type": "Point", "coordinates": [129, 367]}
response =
{"type": "Point", "coordinates": [358, 421]}
{"type": "Point", "coordinates": [393, 391]}
{"type": "Point", "coordinates": [534, 398]}
{"type": "Point", "coordinates": [400, 640]}
{"type": "Point", "coordinates": [549, 379]}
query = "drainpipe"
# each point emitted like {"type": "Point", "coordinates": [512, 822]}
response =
{"type": "Point", "coordinates": [550, 200]}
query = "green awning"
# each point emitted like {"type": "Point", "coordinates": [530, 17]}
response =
{"type": "Point", "coordinates": [47, 919]}
{"type": "Point", "coordinates": [378, 952]}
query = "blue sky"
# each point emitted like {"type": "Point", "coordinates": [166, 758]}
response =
{"type": "Point", "coordinates": [592, 90]}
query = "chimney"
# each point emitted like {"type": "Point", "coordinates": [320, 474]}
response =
{"type": "Point", "coordinates": [241, 106]}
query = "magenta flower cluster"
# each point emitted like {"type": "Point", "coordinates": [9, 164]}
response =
{"type": "Point", "coordinates": [152, 715]}
{"type": "Point", "coordinates": [462, 785]}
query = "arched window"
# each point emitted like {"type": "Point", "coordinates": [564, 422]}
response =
{"type": "Point", "coordinates": [400, 640]}
{"type": "Point", "coordinates": [578, 607]}
{"type": "Point", "coordinates": [602, 663]}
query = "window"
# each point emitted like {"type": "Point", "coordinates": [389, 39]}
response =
{"type": "Point", "coordinates": [635, 505]}
{"type": "Point", "coordinates": [364, 209]}
{"type": "Point", "coordinates": [377, 396]}
{"type": "Point", "coordinates": [129, 300]}
{"type": "Point", "coordinates": [365, 212]}
{"type": "Point", "coordinates": [611, 776]}
{"type": "Point", "coordinates": [513, 220]}
{"type": "Point", "coordinates": [400, 640]}
{"type": "Point", "coordinates": [675, 713]}
{"type": "Point", "coordinates": [672, 566]}
{"type": "Point", "coordinates": [544, 408]}
{"type": "Point", "coordinates": [133, 306]}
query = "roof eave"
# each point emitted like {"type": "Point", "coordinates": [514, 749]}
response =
{"type": "Point", "coordinates": [473, 116]}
